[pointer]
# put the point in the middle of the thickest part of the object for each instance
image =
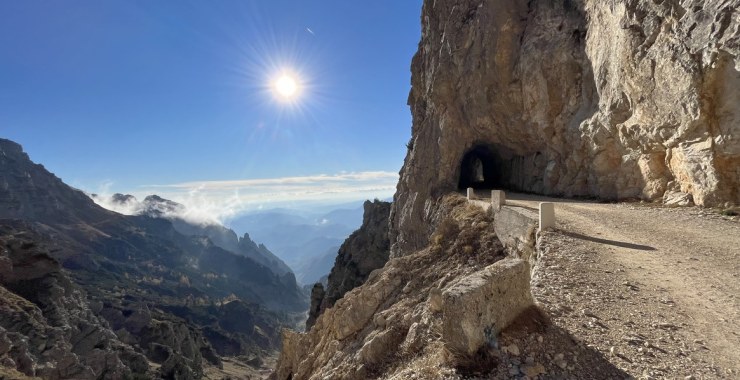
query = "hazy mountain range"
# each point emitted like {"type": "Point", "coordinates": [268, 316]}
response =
{"type": "Point", "coordinates": [175, 292]}
{"type": "Point", "coordinates": [307, 240]}
{"type": "Point", "coordinates": [157, 207]}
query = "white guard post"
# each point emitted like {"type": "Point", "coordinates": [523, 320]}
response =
{"type": "Point", "coordinates": [547, 215]}
{"type": "Point", "coordinates": [498, 199]}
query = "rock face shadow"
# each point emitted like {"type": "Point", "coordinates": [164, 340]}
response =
{"type": "Point", "coordinates": [615, 243]}
{"type": "Point", "coordinates": [535, 346]}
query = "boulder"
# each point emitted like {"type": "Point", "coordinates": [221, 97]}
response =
{"type": "Point", "coordinates": [477, 307]}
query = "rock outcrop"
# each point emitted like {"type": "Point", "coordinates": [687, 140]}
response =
{"type": "Point", "coordinates": [47, 328]}
{"type": "Point", "coordinates": [409, 310]}
{"type": "Point", "coordinates": [364, 251]}
{"type": "Point", "coordinates": [317, 296]}
{"type": "Point", "coordinates": [614, 100]}
{"type": "Point", "coordinates": [177, 346]}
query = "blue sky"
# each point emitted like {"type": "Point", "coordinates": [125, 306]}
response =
{"type": "Point", "coordinates": [131, 96]}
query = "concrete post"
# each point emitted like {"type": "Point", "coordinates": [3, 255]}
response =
{"type": "Point", "coordinates": [498, 199]}
{"type": "Point", "coordinates": [547, 215]}
{"type": "Point", "coordinates": [471, 193]}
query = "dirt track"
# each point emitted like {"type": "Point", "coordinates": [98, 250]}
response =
{"type": "Point", "coordinates": [654, 289]}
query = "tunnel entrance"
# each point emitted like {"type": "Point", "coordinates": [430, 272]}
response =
{"type": "Point", "coordinates": [479, 169]}
{"type": "Point", "coordinates": [492, 166]}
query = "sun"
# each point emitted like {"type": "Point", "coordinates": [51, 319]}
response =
{"type": "Point", "coordinates": [286, 86]}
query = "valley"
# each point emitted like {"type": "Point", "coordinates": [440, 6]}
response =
{"type": "Point", "coordinates": [169, 288]}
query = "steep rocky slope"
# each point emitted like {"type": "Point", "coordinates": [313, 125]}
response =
{"type": "Point", "coordinates": [29, 192]}
{"type": "Point", "coordinates": [394, 326]}
{"type": "Point", "coordinates": [46, 326]}
{"type": "Point", "coordinates": [366, 250]}
{"type": "Point", "coordinates": [168, 294]}
{"type": "Point", "coordinates": [97, 239]}
{"type": "Point", "coordinates": [607, 99]}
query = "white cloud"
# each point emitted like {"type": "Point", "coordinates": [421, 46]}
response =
{"type": "Point", "coordinates": [218, 201]}
{"type": "Point", "coordinates": [128, 207]}
{"type": "Point", "coordinates": [378, 177]}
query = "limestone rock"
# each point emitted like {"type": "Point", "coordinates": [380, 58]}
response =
{"type": "Point", "coordinates": [477, 307]}
{"type": "Point", "coordinates": [178, 367]}
{"type": "Point", "coordinates": [317, 296]}
{"type": "Point", "coordinates": [532, 370]}
{"type": "Point", "coordinates": [379, 345]}
{"type": "Point", "coordinates": [677, 198]}
{"type": "Point", "coordinates": [435, 300]}
{"type": "Point", "coordinates": [366, 250]}
{"type": "Point", "coordinates": [578, 98]}
{"type": "Point", "coordinates": [374, 326]}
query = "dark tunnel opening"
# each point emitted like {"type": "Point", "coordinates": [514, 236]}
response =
{"type": "Point", "coordinates": [496, 167]}
{"type": "Point", "coordinates": [479, 169]}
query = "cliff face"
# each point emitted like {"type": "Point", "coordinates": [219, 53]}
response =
{"type": "Point", "coordinates": [610, 99]}
{"type": "Point", "coordinates": [364, 251]}
{"type": "Point", "coordinates": [400, 322]}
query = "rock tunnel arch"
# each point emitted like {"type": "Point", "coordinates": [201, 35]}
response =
{"type": "Point", "coordinates": [480, 169]}
{"type": "Point", "coordinates": [492, 166]}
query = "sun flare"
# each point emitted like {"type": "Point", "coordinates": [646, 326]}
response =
{"type": "Point", "coordinates": [286, 87]}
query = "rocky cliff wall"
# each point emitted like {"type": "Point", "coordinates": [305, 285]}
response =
{"type": "Point", "coordinates": [364, 251]}
{"type": "Point", "coordinates": [609, 99]}
{"type": "Point", "coordinates": [401, 322]}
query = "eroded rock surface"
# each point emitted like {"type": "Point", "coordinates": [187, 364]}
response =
{"type": "Point", "coordinates": [180, 300]}
{"type": "Point", "coordinates": [366, 250]}
{"type": "Point", "coordinates": [395, 317]}
{"type": "Point", "coordinates": [317, 296]}
{"type": "Point", "coordinates": [47, 328]}
{"type": "Point", "coordinates": [615, 100]}
{"type": "Point", "coordinates": [477, 307]}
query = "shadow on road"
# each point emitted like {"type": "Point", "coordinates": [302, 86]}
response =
{"type": "Point", "coordinates": [584, 362]}
{"type": "Point", "coordinates": [609, 242]}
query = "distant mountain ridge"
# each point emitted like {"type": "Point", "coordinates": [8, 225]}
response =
{"type": "Point", "coordinates": [44, 197]}
{"type": "Point", "coordinates": [312, 269]}
{"type": "Point", "coordinates": [176, 299]}
{"type": "Point", "coordinates": [157, 207]}
{"type": "Point", "coordinates": [308, 242]}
